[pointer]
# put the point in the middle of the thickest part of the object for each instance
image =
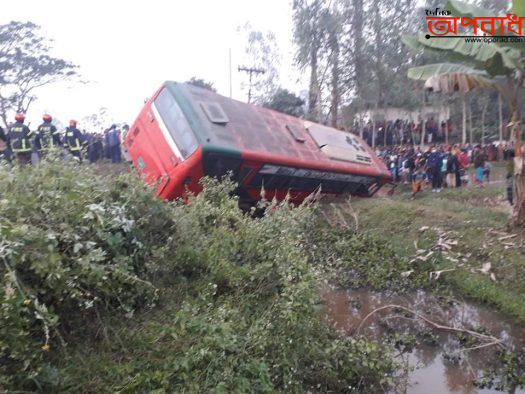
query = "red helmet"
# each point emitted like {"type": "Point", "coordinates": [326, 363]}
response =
{"type": "Point", "coordinates": [47, 118]}
{"type": "Point", "coordinates": [72, 123]}
{"type": "Point", "coordinates": [20, 117]}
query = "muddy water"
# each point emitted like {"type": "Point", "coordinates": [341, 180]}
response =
{"type": "Point", "coordinates": [435, 364]}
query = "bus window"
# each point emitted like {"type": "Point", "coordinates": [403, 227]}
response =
{"type": "Point", "coordinates": [176, 123]}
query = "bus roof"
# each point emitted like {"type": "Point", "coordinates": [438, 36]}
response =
{"type": "Point", "coordinates": [226, 124]}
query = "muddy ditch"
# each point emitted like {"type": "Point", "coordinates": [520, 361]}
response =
{"type": "Point", "coordinates": [442, 345]}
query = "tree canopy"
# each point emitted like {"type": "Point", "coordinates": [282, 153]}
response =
{"type": "Point", "coordinates": [26, 65]}
{"type": "Point", "coordinates": [286, 102]}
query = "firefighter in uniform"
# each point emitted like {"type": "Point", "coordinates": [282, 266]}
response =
{"type": "Point", "coordinates": [20, 139]}
{"type": "Point", "coordinates": [4, 145]}
{"type": "Point", "coordinates": [74, 140]}
{"type": "Point", "coordinates": [48, 137]}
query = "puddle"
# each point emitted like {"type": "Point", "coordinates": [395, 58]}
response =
{"type": "Point", "coordinates": [431, 366]}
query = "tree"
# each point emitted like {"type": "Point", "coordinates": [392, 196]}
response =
{"type": "Point", "coordinates": [201, 83]}
{"type": "Point", "coordinates": [98, 121]}
{"type": "Point", "coordinates": [286, 102]}
{"type": "Point", "coordinates": [309, 36]}
{"type": "Point", "coordinates": [261, 53]}
{"type": "Point", "coordinates": [25, 66]}
{"type": "Point", "coordinates": [500, 63]}
{"type": "Point", "coordinates": [333, 26]}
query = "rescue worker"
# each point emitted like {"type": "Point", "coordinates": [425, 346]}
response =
{"type": "Point", "coordinates": [48, 137]}
{"type": "Point", "coordinates": [20, 138]}
{"type": "Point", "coordinates": [4, 145]}
{"type": "Point", "coordinates": [74, 140]}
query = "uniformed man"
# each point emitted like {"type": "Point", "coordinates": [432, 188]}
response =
{"type": "Point", "coordinates": [4, 145]}
{"type": "Point", "coordinates": [20, 139]}
{"type": "Point", "coordinates": [74, 140]}
{"type": "Point", "coordinates": [48, 137]}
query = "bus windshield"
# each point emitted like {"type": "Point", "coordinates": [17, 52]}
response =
{"type": "Point", "coordinates": [176, 123]}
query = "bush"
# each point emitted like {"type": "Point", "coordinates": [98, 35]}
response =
{"type": "Point", "coordinates": [73, 247]}
{"type": "Point", "coordinates": [81, 251]}
{"type": "Point", "coordinates": [254, 321]}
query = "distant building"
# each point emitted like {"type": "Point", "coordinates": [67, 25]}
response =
{"type": "Point", "coordinates": [439, 113]}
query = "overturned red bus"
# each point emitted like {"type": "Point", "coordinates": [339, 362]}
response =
{"type": "Point", "coordinates": [185, 132]}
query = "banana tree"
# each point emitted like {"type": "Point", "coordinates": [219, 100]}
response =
{"type": "Point", "coordinates": [497, 65]}
{"type": "Point", "coordinates": [449, 78]}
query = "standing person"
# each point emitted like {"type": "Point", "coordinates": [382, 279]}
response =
{"type": "Point", "coordinates": [410, 164]}
{"type": "Point", "coordinates": [91, 147]}
{"type": "Point", "coordinates": [510, 178]}
{"type": "Point", "coordinates": [20, 139]}
{"type": "Point", "coordinates": [74, 140]}
{"type": "Point", "coordinates": [4, 145]}
{"type": "Point", "coordinates": [107, 150]}
{"type": "Point", "coordinates": [444, 162]}
{"type": "Point", "coordinates": [479, 159]}
{"type": "Point", "coordinates": [418, 176]}
{"type": "Point", "coordinates": [48, 137]}
{"type": "Point", "coordinates": [434, 164]}
{"type": "Point", "coordinates": [113, 142]}
{"type": "Point", "coordinates": [452, 170]}
{"type": "Point", "coordinates": [486, 170]}
{"type": "Point", "coordinates": [124, 149]}
{"type": "Point", "coordinates": [464, 163]}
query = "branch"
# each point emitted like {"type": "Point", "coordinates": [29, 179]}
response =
{"type": "Point", "coordinates": [492, 340]}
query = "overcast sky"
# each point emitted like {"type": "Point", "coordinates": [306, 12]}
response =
{"type": "Point", "coordinates": [126, 49]}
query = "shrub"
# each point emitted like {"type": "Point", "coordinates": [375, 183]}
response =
{"type": "Point", "coordinates": [73, 247]}
{"type": "Point", "coordinates": [81, 251]}
{"type": "Point", "coordinates": [253, 321]}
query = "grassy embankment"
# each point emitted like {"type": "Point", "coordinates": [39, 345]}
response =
{"type": "Point", "coordinates": [476, 219]}
{"type": "Point", "coordinates": [105, 288]}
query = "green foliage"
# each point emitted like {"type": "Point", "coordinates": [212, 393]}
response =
{"type": "Point", "coordinates": [73, 247]}
{"type": "Point", "coordinates": [255, 307]}
{"type": "Point", "coordinates": [26, 65]}
{"type": "Point", "coordinates": [85, 257]}
{"type": "Point", "coordinates": [201, 83]}
{"type": "Point", "coordinates": [470, 216]}
{"type": "Point", "coordinates": [286, 102]}
{"type": "Point", "coordinates": [507, 375]}
{"type": "Point", "coordinates": [359, 259]}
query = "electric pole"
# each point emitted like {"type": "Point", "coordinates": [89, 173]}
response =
{"type": "Point", "coordinates": [251, 71]}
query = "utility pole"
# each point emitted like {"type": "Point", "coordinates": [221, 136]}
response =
{"type": "Point", "coordinates": [251, 71]}
{"type": "Point", "coordinates": [230, 69]}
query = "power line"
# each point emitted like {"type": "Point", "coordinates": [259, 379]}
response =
{"type": "Point", "coordinates": [251, 71]}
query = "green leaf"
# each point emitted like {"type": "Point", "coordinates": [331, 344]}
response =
{"type": "Point", "coordinates": [495, 59]}
{"type": "Point", "coordinates": [518, 8]}
{"type": "Point", "coordinates": [431, 70]}
{"type": "Point", "coordinates": [450, 77]}
{"type": "Point", "coordinates": [465, 10]}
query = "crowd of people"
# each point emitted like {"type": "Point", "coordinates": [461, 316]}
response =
{"type": "Point", "coordinates": [439, 165]}
{"type": "Point", "coordinates": [398, 132]}
{"type": "Point", "coordinates": [445, 165]}
{"type": "Point", "coordinates": [22, 144]}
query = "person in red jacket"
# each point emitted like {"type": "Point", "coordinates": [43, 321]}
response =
{"type": "Point", "coordinates": [464, 163]}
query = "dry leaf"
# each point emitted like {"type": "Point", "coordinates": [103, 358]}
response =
{"type": "Point", "coordinates": [486, 268]}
